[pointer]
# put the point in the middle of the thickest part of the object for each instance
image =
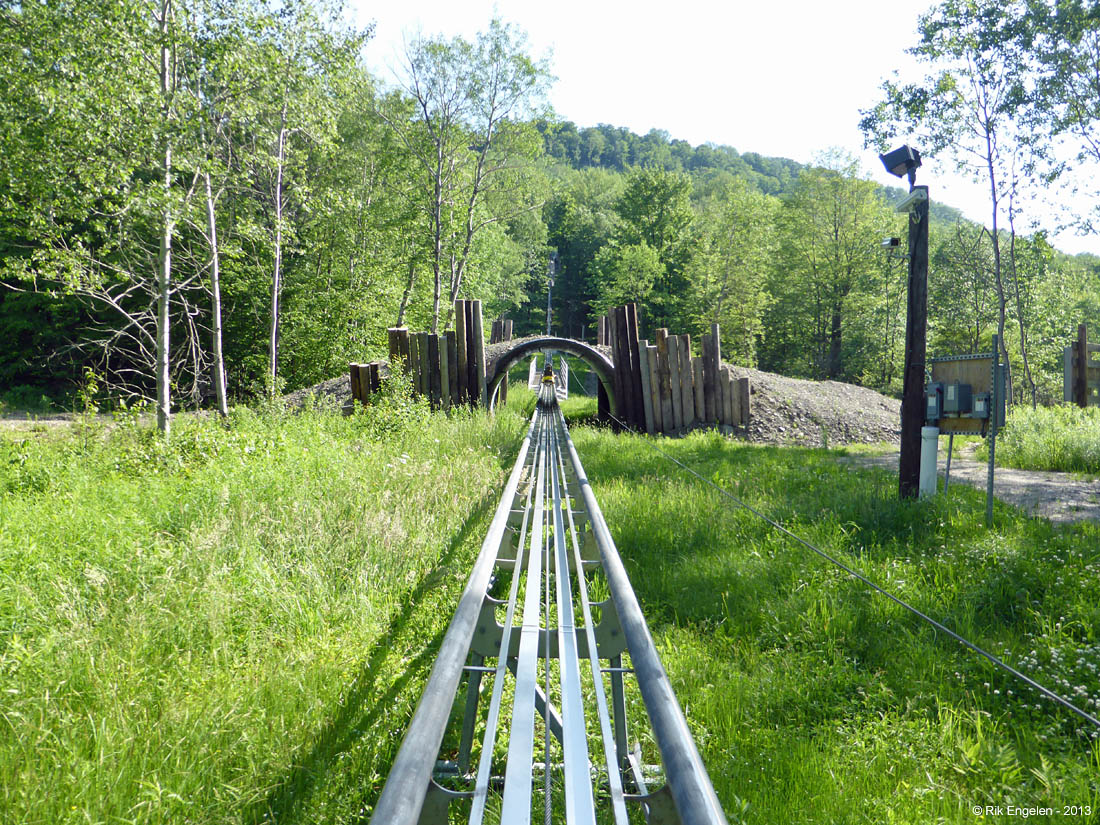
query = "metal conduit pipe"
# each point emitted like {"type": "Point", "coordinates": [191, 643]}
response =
{"type": "Point", "coordinates": [403, 795]}
{"type": "Point", "coordinates": [692, 790]}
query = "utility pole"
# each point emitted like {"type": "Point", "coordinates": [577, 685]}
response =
{"type": "Point", "coordinates": [904, 161]}
{"type": "Point", "coordinates": [916, 334]}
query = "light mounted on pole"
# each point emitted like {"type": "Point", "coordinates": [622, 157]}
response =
{"type": "Point", "coordinates": [902, 162]}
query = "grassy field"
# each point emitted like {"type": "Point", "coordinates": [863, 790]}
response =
{"type": "Point", "coordinates": [235, 627]}
{"type": "Point", "coordinates": [1064, 439]}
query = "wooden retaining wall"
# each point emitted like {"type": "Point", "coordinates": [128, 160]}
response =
{"type": "Point", "coordinates": [662, 387]}
{"type": "Point", "coordinates": [447, 368]}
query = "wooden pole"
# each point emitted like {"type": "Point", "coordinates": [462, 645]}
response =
{"type": "Point", "coordinates": [479, 356]}
{"type": "Point", "coordinates": [744, 392]}
{"type": "Point", "coordinates": [674, 382]}
{"type": "Point", "coordinates": [394, 336]}
{"type": "Point", "coordinates": [375, 376]}
{"type": "Point", "coordinates": [356, 391]}
{"type": "Point", "coordinates": [647, 397]}
{"type": "Point", "coordinates": [733, 399]}
{"type": "Point", "coordinates": [730, 397]}
{"type": "Point", "coordinates": [435, 376]}
{"type": "Point", "coordinates": [916, 330]}
{"type": "Point", "coordinates": [452, 367]}
{"type": "Point", "coordinates": [697, 385]}
{"type": "Point", "coordinates": [463, 372]}
{"type": "Point", "coordinates": [414, 363]}
{"type": "Point", "coordinates": [708, 379]}
{"type": "Point", "coordinates": [637, 400]}
{"type": "Point", "coordinates": [687, 382]}
{"type": "Point", "coordinates": [664, 388]}
{"type": "Point", "coordinates": [424, 361]}
{"type": "Point", "coordinates": [1081, 382]}
{"type": "Point", "coordinates": [619, 354]}
{"type": "Point", "coordinates": [654, 387]}
{"type": "Point", "coordinates": [719, 385]}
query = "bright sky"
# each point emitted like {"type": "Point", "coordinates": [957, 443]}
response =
{"type": "Point", "coordinates": [781, 78]}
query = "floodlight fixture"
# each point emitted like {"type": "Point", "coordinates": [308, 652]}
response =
{"type": "Point", "coordinates": [891, 243]}
{"type": "Point", "coordinates": [901, 162]}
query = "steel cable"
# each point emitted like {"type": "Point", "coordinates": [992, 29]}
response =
{"type": "Point", "coordinates": [856, 574]}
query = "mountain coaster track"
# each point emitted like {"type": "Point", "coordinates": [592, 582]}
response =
{"type": "Point", "coordinates": [549, 539]}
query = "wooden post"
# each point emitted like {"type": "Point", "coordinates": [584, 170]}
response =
{"type": "Point", "coordinates": [399, 346]}
{"type": "Point", "coordinates": [425, 362]}
{"type": "Point", "coordinates": [508, 330]}
{"type": "Point", "coordinates": [615, 340]}
{"type": "Point", "coordinates": [647, 398]}
{"type": "Point", "coordinates": [435, 383]}
{"type": "Point", "coordinates": [461, 369]}
{"type": "Point", "coordinates": [444, 374]}
{"type": "Point", "coordinates": [674, 382]}
{"type": "Point", "coordinates": [479, 356]}
{"type": "Point", "coordinates": [708, 380]}
{"type": "Point", "coordinates": [414, 363]}
{"type": "Point", "coordinates": [916, 333]}
{"type": "Point", "coordinates": [733, 399]}
{"type": "Point", "coordinates": [622, 366]}
{"type": "Point", "coordinates": [732, 404]}
{"type": "Point", "coordinates": [601, 331]}
{"type": "Point", "coordinates": [697, 386]}
{"type": "Point", "coordinates": [687, 382]}
{"type": "Point", "coordinates": [375, 370]}
{"type": "Point", "coordinates": [654, 387]}
{"type": "Point", "coordinates": [356, 391]}
{"type": "Point", "coordinates": [630, 311]}
{"type": "Point", "coordinates": [719, 386]}
{"type": "Point", "coordinates": [452, 367]}
{"type": "Point", "coordinates": [1081, 384]}
{"type": "Point", "coordinates": [663, 377]}
{"type": "Point", "coordinates": [743, 392]}
{"type": "Point", "coordinates": [471, 368]}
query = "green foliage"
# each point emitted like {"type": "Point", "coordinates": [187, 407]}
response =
{"type": "Point", "coordinates": [227, 625]}
{"type": "Point", "coordinates": [814, 700]}
{"type": "Point", "coordinates": [1064, 439]}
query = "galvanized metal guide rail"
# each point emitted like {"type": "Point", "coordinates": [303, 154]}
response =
{"type": "Point", "coordinates": [548, 546]}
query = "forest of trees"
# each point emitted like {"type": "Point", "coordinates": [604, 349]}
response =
{"type": "Point", "coordinates": [208, 200]}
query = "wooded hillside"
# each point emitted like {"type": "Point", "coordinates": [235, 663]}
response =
{"type": "Point", "coordinates": [202, 194]}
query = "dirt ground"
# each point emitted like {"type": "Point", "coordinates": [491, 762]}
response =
{"type": "Point", "coordinates": [1060, 497]}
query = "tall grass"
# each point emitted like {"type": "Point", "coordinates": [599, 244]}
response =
{"type": "Point", "coordinates": [1065, 439]}
{"type": "Point", "coordinates": [230, 626]}
{"type": "Point", "coordinates": [814, 700]}
{"type": "Point", "coordinates": [235, 625]}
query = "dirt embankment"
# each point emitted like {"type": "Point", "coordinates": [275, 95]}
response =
{"type": "Point", "coordinates": [818, 413]}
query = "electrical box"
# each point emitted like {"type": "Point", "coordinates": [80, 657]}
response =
{"type": "Point", "coordinates": [981, 406]}
{"type": "Point", "coordinates": [956, 399]}
{"type": "Point", "coordinates": [933, 402]}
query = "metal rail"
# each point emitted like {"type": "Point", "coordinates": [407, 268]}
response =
{"type": "Point", "coordinates": [549, 533]}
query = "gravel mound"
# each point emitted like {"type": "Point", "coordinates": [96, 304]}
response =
{"type": "Point", "coordinates": [818, 413]}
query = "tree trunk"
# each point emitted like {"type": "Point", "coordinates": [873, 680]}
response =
{"type": "Point", "coordinates": [216, 295]}
{"type": "Point", "coordinates": [834, 343]}
{"type": "Point", "coordinates": [164, 268]}
{"type": "Point", "coordinates": [277, 275]}
{"type": "Point", "coordinates": [405, 295]}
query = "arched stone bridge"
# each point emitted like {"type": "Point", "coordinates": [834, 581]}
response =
{"type": "Point", "coordinates": [499, 358]}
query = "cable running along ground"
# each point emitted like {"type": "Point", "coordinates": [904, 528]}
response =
{"type": "Point", "coordinates": [856, 574]}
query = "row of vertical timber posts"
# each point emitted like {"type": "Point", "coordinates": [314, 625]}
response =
{"type": "Point", "coordinates": [662, 387]}
{"type": "Point", "coordinates": [448, 369]}
{"type": "Point", "coordinates": [366, 379]}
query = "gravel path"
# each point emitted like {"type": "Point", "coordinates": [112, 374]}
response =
{"type": "Point", "coordinates": [1060, 497]}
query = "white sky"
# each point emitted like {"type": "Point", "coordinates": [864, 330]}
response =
{"type": "Point", "coordinates": [780, 78]}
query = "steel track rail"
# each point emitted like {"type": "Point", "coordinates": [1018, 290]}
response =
{"type": "Point", "coordinates": [548, 555]}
